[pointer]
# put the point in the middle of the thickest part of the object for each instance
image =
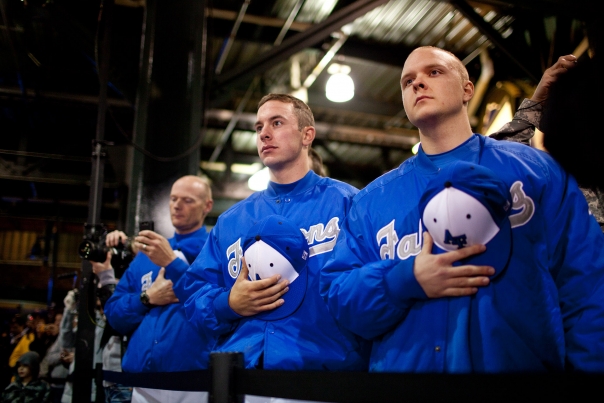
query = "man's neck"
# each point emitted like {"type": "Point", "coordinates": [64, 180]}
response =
{"type": "Point", "coordinates": [188, 230]}
{"type": "Point", "coordinates": [441, 137]}
{"type": "Point", "coordinates": [289, 174]}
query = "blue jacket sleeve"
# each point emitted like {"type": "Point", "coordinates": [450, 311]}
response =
{"type": "Point", "coordinates": [124, 309]}
{"type": "Point", "coordinates": [367, 295]}
{"type": "Point", "coordinates": [175, 271]}
{"type": "Point", "coordinates": [576, 250]}
{"type": "Point", "coordinates": [207, 306]}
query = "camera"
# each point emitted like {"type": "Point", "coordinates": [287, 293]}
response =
{"type": "Point", "coordinates": [93, 248]}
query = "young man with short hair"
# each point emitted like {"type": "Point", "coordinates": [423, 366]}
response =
{"type": "Point", "coordinates": [245, 315]}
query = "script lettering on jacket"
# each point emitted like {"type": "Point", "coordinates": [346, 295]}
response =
{"type": "Point", "coordinates": [319, 233]}
{"type": "Point", "coordinates": [411, 244]}
{"type": "Point", "coordinates": [323, 236]}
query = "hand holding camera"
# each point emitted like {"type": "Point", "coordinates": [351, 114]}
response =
{"type": "Point", "coordinates": [97, 243]}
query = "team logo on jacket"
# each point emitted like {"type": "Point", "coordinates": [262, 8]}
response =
{"type": "Point", "coordinates": [391, 246]}
{"type": "Point", "coordinates": [321, 238]}
{"type": "Point", "coordinates": [146, 281]}
{"type": "Point", "coordinates": [521, 201]}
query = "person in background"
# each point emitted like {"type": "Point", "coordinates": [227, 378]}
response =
{"type": "Point", "coordinates": [52, 368]}
{"type": "Point", "coordinates": [21, 337]}
{"type": "Point", "coordinates": [67, 340]}
{"type": "Point", "coordinates": [575, 106]}
{"type": "Point", "coordinates": [316, 162]}
{"type": "Point", "coordinates": [112, 343]}
{"type": "Point", "coordinates": [46, 334]}
{"type": "Point", "coordinates": [27, 388]}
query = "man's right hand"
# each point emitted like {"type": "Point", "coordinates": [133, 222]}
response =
{"type": "Point", "coordinates": [248, 298]}
{"type": "Point", "coordinates": [115, 237]}
{"type": "Point", "coordinates": [161, 291]}
{"type": "Point", "coordinates": [98, 267]}
{"type": "Point", "coordinates": [439, 278]}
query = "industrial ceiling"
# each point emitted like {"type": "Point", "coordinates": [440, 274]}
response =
{"type": "Point", "coordinates": [49, 84]}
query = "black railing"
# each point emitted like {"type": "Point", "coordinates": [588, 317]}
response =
{"type": "Point", "coordinates": [227, 382]}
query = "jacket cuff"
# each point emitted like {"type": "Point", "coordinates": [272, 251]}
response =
{"type": "Point", "coordinates": [401, 284]}
{"type": "Point", "coordinates": [223, 310]}
{"type": "Point", "coordinates": [139, 307]}
{"type": "Point", "coordinates": [176, 269]}
{"type": "Point", "coordinates": [107, 277]}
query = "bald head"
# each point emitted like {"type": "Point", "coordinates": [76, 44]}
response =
{"type": "Point", "coordinates": [198, 183]}
{"type": "Point", "coordinates": [190, 203]}
{"type": "Point", "coordinates": [454, 62]}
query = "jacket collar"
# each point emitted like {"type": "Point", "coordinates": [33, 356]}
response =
{"type": "Point", "coordinates": [300, 186]}
{"type": "Point", "coordinates": [470, 150]}
{"type": "Point", "coordinates": [200, 233]}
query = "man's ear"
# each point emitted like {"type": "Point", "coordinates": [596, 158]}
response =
{"type": "Point", "coordinates": [308, 135]}
{"type": "Point", "coordinates": [468, 89]}
{"type": "Point", "coordinates": [208, 206]}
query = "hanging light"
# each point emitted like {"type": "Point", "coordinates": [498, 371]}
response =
{"type": "Point", "coordinates": [339, 87]}
{"type": "Point", "coordinates": [259, 180]}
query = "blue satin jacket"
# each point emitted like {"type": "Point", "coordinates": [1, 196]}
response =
{"type": "Point", "coordinates": [309, 339]}
{"type": "Point", "coordinates": [161, 338]}
{"type": "Point", "coordinates": [544, 311]}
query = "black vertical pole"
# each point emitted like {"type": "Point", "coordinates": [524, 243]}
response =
{"type": "Point", "coordinates": [222, 377]}
{"type": "Point", "coordinates": [84, 349]}
{"type": "Point", "coordinates": [169, 108]}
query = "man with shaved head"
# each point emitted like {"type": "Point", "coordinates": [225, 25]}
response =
{"type": "Point", "coordinates": [146, 304]}
{"type": "Point", "coordinates": [475, 255]}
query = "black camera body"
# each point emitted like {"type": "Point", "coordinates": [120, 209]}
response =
{"type": "Point", "coordinates": [93, 248]}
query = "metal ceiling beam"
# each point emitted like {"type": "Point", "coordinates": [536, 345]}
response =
{"type": "Point", "coordinates": [257, 20]}
{"type": "Point", "coordinates": [252, 87]}
{"type": "Point", "coordinates": [403, 139]}
{"type": "Point", "coordinates": [490, 32]}
{"type": "Point", "coordinates": [8, 92]}
{"type": "Point", "coordinates": [385, 53]}
{"type": "Point", "coordinates": [231, 39]}
{"type": "Point", "coordinates": [303, 40]}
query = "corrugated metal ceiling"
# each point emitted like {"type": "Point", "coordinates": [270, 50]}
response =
{"type": "Point", "coordinates": [408, 22]}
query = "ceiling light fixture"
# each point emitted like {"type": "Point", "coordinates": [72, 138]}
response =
{"type": "Point", "coordinates": [259, 180]}
{"type": "Point", "coordinates": [339, 87]}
